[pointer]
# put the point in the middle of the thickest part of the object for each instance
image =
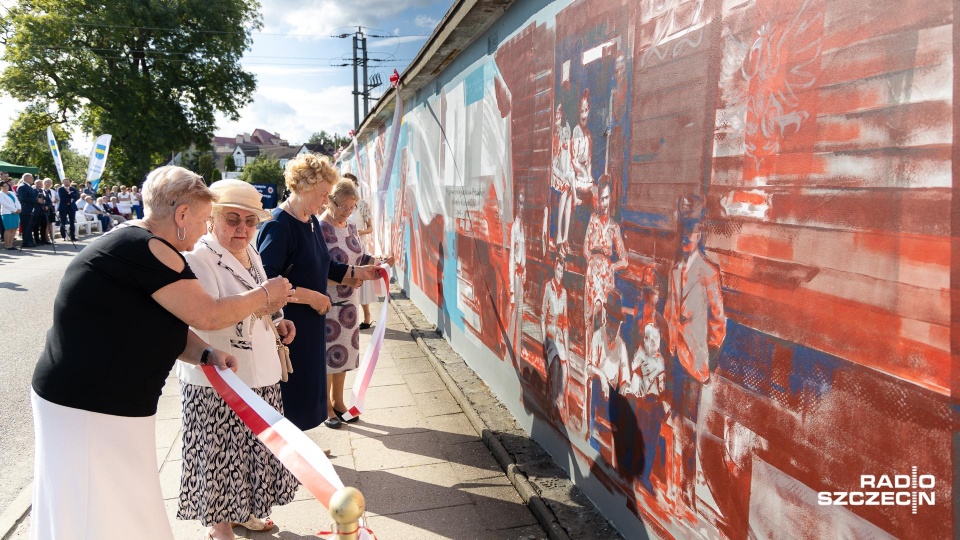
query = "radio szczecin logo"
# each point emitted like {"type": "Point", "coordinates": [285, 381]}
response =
{"type": "Point", "coordinates": [911, 490]}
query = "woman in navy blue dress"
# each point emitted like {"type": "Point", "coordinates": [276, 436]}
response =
{"type": "Point", "coordinates": [291, 244]}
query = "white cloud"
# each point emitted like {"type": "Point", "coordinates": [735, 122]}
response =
{"type": "Point", "coordinates": [315, 19]}
{"type": "Point", "coordinates": [424, 21]}
{"type": "Point", "coordinates": [393, 42]}
{"type": "Point", "coordinates": [294, 113]}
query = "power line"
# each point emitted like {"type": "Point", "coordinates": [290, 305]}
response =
{"type": "Point", "coordinates": [222, 32]}
{"type": "Point", "coordinates": [389, 58]}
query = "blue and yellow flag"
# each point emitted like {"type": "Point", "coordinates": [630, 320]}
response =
{"type": "Point", "coordinates": [98, 160]}
{"type": "Point", "coordinates": [56, 153]}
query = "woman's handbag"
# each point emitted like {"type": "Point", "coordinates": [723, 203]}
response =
{"type": "Point", "coordinates": [284, 353]}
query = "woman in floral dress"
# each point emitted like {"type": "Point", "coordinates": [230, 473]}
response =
{"type": "Point", "coordinates": [603, 239]}
{"type": "Point", "coordinates": [343, 322]}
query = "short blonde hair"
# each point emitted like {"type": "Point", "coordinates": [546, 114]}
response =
{"type": "Point", "coordinates": [344, 189]}
{"type": "Point", "coordinates": [170, 186]}
{"type": "Point", "coordinates": [305, 171]}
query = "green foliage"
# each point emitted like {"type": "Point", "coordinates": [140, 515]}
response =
{"type": "Point", "coordinates": [26, 144]}
{"type": "Point", "coordinates": [229, 165]}
{"type": "Point", "coordinates": [152, 74]}
{"type": "Point", "coordinates": [199, 161]}
{"type": "Point", "coordinates": [190, 159]}
{"type": "Point", "coordinates": [265, 170]}
{"type": "Point", "coordinates": [216, 176]}
{"type": "Point", "coordinates": [333, 139]}
{"type": "Point", "coordinates": [205, 166]}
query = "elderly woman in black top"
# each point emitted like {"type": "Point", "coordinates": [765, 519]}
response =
{"type": "Point", "coordinates": [95, 469]}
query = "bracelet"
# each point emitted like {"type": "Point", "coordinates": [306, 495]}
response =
{"type": "Point", "coordinates": [205, 356]}
{"type": "Point", "coordinates": [264, 287]}
{"type": "Point", "coordinates": [352, 269]}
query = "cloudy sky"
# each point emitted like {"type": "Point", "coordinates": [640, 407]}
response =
{"type": "Point", "coordinates": [298, 90]}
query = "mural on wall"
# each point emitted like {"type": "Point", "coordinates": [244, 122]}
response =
{"type": "Point", "coordinates": [710, 240]}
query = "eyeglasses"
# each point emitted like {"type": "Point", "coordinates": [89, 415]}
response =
{"type": "Point", "coordinates": [233, 220]}
{"type": "Point", "coordinates": [338, 207]}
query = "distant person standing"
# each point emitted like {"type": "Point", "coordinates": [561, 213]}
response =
{"type": "Point", "coordinates": [125, 202]}
{"type": "Point", "coordinates": [88, 190]}
{"type": "Point", "coordinates": [362, 218]}
{"type": "Point", "coordinates": [136, 204]}
{"type": "Point", "coordinates": [52, 200]}
{"type": "Point", "coordinates": [28, 201]}
{"type": "Point", "coordinates": [67, 207]}
{"type": "Point", "coordinates": [9, 212]}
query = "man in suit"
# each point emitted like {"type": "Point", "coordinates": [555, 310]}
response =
{"type": "Point", "coordinates": [697, 326]}
{"type": "Point", "coordinates": [28, 202]}
{"type": "Point", "coordinates": [67, 207]}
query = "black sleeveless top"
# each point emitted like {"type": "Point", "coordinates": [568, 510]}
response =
{"type": "Point", "coordinates": [125, 378]}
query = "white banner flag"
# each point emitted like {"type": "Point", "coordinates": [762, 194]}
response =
{"type": "Point", "coordinates": [56, 153]}
{"type": "Point", "coordinates": [98, 160]}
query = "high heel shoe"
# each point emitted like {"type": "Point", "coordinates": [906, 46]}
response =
{"type": "Point", "coordinates": [342, 419]}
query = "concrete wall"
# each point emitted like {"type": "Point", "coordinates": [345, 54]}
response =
{"type": "Point", "coordinates": [766, 186]}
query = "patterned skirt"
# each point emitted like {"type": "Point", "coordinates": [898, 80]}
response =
{"type": "Point", "coordinates": [227, 472]}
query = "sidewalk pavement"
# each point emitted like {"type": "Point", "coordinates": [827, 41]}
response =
{"type": "Point", "coordinates": [415, 456]}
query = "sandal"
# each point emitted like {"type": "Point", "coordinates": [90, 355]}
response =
{"type": "Point", "coordinates": [255, 524]}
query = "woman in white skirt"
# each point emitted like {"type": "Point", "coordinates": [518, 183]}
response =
{"type": "Point", "coordinates": [125, 202]}
{"type": "Point", "coordinates": [362, 219]}
{"type": "Point", "coordinates": [95, 475]}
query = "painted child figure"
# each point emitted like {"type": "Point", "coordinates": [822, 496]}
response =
{"type": "Point", "coordinates": [645, 375]}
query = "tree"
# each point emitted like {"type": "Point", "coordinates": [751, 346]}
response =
{"type": "Point", "coordinates": [152, 74]}
{"type": "Point", "coordinates": [264, 170]}
{"type": "Point", "coordinates": [330, 139]}
{"type": "Point", "coordinates": [229, 164]}
{"type": "Point", "coordinates": [200, 162]}
{"type": "Point", "coordinates": [215, 176]}
{"type": "Point", "coordinates": [205, 166]}
{"type": "Point", "coordinates": [26, 144]}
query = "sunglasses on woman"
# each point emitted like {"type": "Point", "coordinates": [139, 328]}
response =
{"type": "Point", "coordinates": [233, 219]}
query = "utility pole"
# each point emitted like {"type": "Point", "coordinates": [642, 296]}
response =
{"type": "Point", "coordinates": [361, 58]}
{"type": "Point", "coordinates": [366, 88]}
{"type": "Point", "coordinates": [356, 92]}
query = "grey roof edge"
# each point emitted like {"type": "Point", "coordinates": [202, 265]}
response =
{"type": "Point", "coordinates": [464, 22]}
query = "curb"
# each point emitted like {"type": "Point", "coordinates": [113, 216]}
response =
{"type": "Point", "coordinates": [17, 511]}
{"type": "Point", "coordinates": [547, 519]}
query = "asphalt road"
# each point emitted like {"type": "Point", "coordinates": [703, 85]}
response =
{"type": "Point", "coordinates": [28, 285]}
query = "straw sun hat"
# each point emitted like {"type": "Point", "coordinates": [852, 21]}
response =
{"type": "Point", "coordinates": [239, 194]}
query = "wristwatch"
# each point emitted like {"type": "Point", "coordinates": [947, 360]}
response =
{"type": "Point", "coordinates": [205, 357]}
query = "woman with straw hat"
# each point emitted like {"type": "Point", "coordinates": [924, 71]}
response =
{"type": "Point", "coordinates": [228, 477]}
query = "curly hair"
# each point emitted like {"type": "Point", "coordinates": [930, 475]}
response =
{"type": "Point", "coordinates": [304, 172]}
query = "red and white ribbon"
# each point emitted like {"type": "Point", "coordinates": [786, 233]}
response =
{"type": "Point", "coordinates": [295, 450]}
{"type": "Point", "coordinates": [370, 356]}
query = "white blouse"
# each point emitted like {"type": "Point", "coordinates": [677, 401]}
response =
{"type": "Point", "coordinates": [251, 341]}
{"type": "Point", "coordinates": [9, 203]}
